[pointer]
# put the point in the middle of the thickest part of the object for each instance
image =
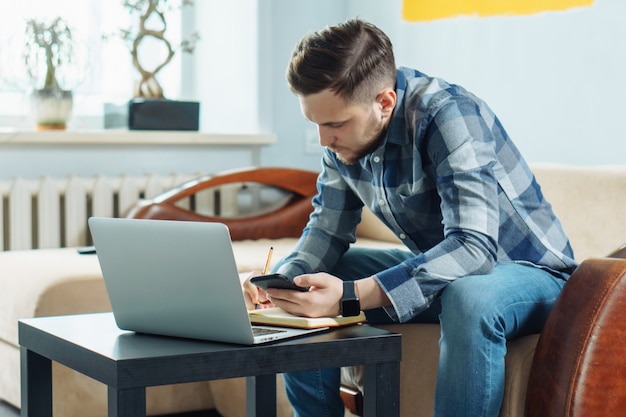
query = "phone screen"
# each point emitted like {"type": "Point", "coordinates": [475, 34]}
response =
{"type": "Point", "coordinates": [276, 281]}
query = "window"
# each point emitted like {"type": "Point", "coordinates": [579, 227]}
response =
{"type": "Point", "coordinates": [103, 72]}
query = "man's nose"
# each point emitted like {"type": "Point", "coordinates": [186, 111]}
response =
{"type": "Point", "coordinates": [325, 135]}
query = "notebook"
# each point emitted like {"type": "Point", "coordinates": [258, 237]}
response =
{"type": "Point", "coordinates": [177, 278]}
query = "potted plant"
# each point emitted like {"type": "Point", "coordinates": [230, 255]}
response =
{"type": "Point", "coordinates": [48, 49]}
{"type": "Point", "coordinates": [149, 109]}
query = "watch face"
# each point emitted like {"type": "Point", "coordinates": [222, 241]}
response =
{"type": "Point", "coordinates": [350, 308]}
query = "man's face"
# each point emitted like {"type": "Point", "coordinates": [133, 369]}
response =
{"type": "Point", "coordinates": [350, 130]}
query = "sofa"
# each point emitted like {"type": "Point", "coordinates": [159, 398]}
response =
{"type": "Point", "coordinates": [590, 201]}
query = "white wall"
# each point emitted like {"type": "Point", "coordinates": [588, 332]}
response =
{"type": "Point", "coordinates": [226, 66]}
{"type": "Point", "coordinates": [554, 79]}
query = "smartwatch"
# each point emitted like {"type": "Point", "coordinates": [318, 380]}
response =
{"type": "Point", "coordinates": [350, 305]}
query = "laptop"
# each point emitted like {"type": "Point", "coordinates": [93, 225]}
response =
{"type": "Point", "coordinates": [177, 278]}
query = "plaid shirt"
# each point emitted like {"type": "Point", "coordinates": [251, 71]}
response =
{"type": "Point", "coordinates": [449, 182]}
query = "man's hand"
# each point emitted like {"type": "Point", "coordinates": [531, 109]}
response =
{"type": "Point", "coordinates": [255, 297]}
{"type": "Point", "coordinates": [322, 300]}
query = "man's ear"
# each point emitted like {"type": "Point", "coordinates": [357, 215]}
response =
{"type": "Point", "coordinates": [387, 101]}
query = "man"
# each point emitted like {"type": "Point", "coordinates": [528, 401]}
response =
{"type": "Point", "coordinates": [487, 257]}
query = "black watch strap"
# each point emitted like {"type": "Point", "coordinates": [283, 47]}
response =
{"type": "Point", "coordinates": [350, 304]}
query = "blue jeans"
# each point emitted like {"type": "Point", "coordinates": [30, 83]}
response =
{"type": "Point", "coordinates": [477, 314]}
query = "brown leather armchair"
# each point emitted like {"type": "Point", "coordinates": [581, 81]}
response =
{"type": "Point", "coordinates": [579, 367]}
{"type": "Point", "coordinates": [287, 221]}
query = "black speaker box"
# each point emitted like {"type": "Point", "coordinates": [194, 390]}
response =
{"type": "Point", "coordinates": [146, 114]}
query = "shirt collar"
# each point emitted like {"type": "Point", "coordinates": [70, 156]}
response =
{"type": "Point", "coordinates": [397, 132]}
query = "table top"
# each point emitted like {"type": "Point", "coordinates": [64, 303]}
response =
{"type": "Point", "coordinates": [94, 345]}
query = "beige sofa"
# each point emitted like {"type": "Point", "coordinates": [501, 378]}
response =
{"type": "Point", "coordinates": [590, 201]}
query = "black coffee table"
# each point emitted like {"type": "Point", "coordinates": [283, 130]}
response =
{"type": "Point", "coordinates": [128, 363]}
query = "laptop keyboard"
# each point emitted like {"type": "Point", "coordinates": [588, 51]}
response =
{"type": "Point", "coordinates": [261, 331]}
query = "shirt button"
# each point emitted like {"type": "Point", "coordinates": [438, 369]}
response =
{"type": "Point", "coordinates": [382, 202]}
{"type": "Point", "coordinates": [402, 236]}
{"type": "Point", "coordinates": [377, 159]}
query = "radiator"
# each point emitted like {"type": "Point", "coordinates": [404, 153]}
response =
{"type": "Point", "coordinates": [53, 212]}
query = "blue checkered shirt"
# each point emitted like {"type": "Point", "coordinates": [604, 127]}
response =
{"type": "Point", "coordinates": [450, 183]}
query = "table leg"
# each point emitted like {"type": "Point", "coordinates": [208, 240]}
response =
{"type": "Point", "coordinates": [381, 390]}
{"type": "Point", "coordinates": [127, 402]}
{"type": "Point", "coordinates": [36, 384]}
{"type": "Point", "coordinates": [261, 396]}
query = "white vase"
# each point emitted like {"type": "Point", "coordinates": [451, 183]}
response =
{"type": "Point", "coordinates": [51, 108]}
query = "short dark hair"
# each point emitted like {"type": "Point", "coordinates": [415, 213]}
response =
{"type": "Point", "coordinates": [354, 59]}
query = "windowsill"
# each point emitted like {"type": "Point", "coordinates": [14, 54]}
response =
{"type": "Point", "coordinates": [130, 137]}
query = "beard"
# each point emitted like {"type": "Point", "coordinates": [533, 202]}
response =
{"type": "Point", "coordinates": [372, 137]}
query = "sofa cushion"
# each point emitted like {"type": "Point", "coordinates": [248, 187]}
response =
{"type": "Point", "coordinates": [47, 282]}
{"type": "Point", "coordinates": [590, 202]}
{"type": "Point", "coordinates": [371, 227]}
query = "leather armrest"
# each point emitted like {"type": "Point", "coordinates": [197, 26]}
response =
{"type": "Point", "coordinates": [286, 221]}
{"type": "Point", "coordinates": [620, 252]}
{"type": "Point", "coordinates": [579, 368]}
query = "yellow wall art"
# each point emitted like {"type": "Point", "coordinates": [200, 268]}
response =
{"type": "Point", "coordinates": [429, 10]}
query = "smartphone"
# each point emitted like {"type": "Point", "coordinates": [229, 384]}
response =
{"type": "Point", "coordinates": [86, 250]}
{"type": "Point", "coordinates": [276, 281]}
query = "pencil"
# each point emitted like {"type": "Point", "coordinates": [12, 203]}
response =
{"type": "Point", "coordinates": [269, 259]}
{"type": "Point", "coordinates": [267, 268]}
